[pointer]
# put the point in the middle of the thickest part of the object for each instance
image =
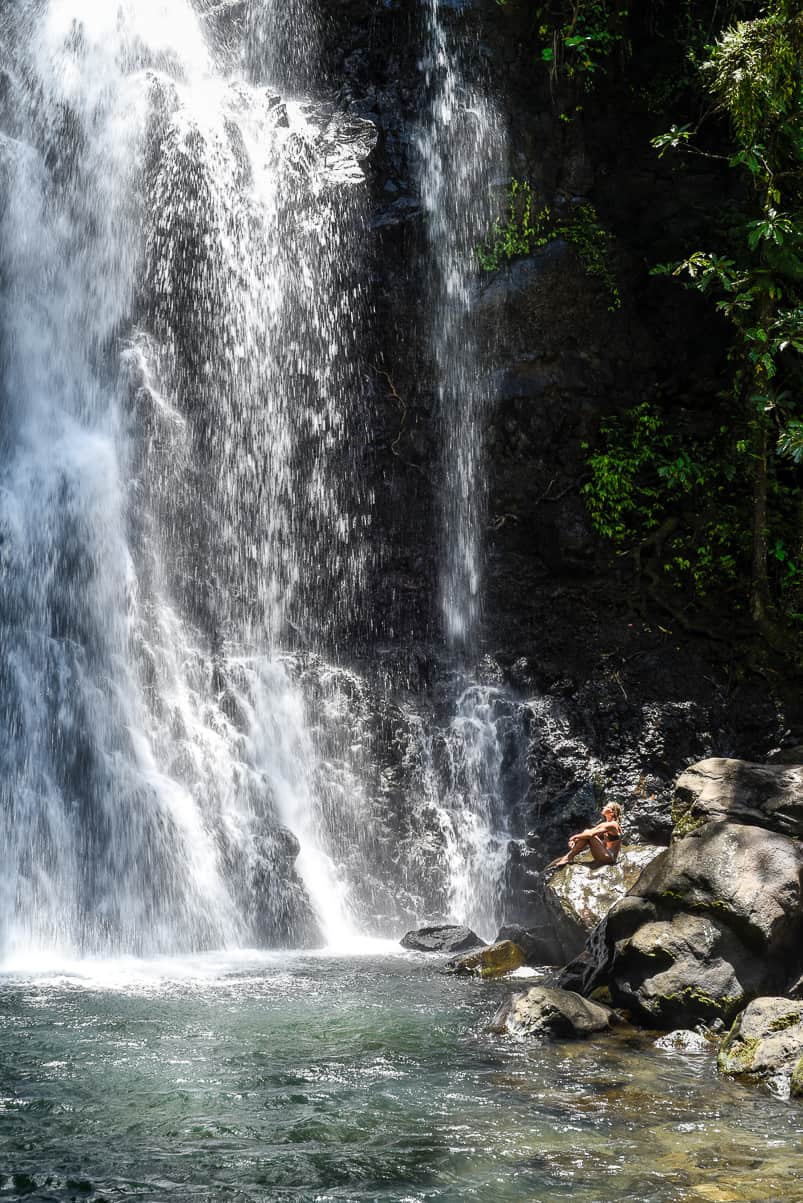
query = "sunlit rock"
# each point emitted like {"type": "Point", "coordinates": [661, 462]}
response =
{"type": "Point", "coordinates": [542, 1011]}
{"type": "Point", "coordinates": [586, 890]}
{"type": "Point", "coordinates": [684, 1040]}
{"type": "Point", "coordinates": [759, 795]}
{"type": "Point", "coordinates": [717, 919]}
{"type": "Point", "coordinates": [495, 961]}
{"type": "Point", "coordinates": [766, 1044]}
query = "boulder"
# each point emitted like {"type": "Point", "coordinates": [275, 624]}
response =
{"type": "Point", "coordinates": [796, 988]}
{"type": "Point", "coordinates": [716, 920]}
{"type": "Point", "coordinates": [736, 791]}
{"type": "Point", "coordinates": [683, 1040]}
{"type": "Point", "coordinates": [546, 1011]}
{"type": "Point", "coordinates": [493, 961]}
{"type": "Point", "coordinates": [766, 1044]}
{"type": "Point", "coordinates": [540, 947]}
{"type": "Point", "coordinates": [573, 900]}
{"type": "Point", "coordinates": [586, 891]}
{"type": "Point", "coordinates": [552, 935]}
{"type": "Point", "coordinates": [447, 938]}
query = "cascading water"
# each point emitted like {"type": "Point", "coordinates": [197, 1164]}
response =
{"type": "Point", "coordinates": [181, 523]}
{"type": "Point", "coordinates": [470, 775]}
{"type": "Point", "coordinates": [462, 148]}
{"type": "Point", "coordinates": [165, 522]}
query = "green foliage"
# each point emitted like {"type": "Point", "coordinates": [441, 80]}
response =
{"type": "Point", "coordinates": [688, 502]}
{"type": "Point", "coordinates": [577, 39]}
{"type": "Point", "coordinates": [643, 481]}
{"type": "Point", "coordinates": [790, 440]}
{"type": "Point", "coordinates": [753, 75]}
{"type": "Point", "coordinates": [527, 227]}
{"type": "Point", "coordinates": [621, 496]}
{"type": "Point", "coordinates": [523, 230]}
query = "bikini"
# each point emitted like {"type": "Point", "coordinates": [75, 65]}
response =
{"type": "Point", "coordinates": [613, 842]}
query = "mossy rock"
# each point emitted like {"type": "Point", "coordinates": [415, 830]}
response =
{"type": "Point", "coordinates": [766, 1041]}
{"type": "Point", "coordinates": [796, 1081]}
{"type": "Point", "coordinates": [491, 962]}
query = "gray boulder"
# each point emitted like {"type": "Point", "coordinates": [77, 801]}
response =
{"type": "Point", "coordinates": [545, 1011]}
{"type": "Point", "coordinates": [446, 938]}
{"type": "Point", "coordinates": [540, 946]}
{"type": "Point", "coordinates": [717, 919]}
{"type": "Point", "coordinates": [766, 1044]}
{"type": "Point", "coordinates": [735, 791]}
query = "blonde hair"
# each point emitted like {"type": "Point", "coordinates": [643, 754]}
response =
{"type": "Point", "coordinates": [617, 811]}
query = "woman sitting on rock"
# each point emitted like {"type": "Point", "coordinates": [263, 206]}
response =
{"type": "Point", "coordinates": [603, 841]}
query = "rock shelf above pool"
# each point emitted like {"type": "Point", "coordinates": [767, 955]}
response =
{"type": "Point", "coordinates": [716, 920]}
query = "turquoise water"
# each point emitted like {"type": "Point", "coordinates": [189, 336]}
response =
{"type": "Point", "coordinates": [322, 1077]}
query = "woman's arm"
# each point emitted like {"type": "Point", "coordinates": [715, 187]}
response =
{"type": "Point", "coordinates": [600, 829]}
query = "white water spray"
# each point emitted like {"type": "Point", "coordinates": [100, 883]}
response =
{"type": "Point", "coordinates": [462, 147]}
{"type": "Point", "coordinates": [165, 521]}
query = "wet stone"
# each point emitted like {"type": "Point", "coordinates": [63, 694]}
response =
{"type": "Point", "coordinates": [544, 1011]}
{"type": "Point", "coordinates": [446, 938]}
{"type": "Point", "coordinates": [494, 961]}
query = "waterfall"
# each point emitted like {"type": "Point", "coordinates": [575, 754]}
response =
{"type": "Point", "coordinates": [187, 759]}
{"type": "Point", "coordinates": [462, 145]}
{"type": "Point", "coordinates": [462, 150]}
{"type": "Point", "coordinates": [472, 776]}
{"type": "Point", "coordinates": [181, 305]}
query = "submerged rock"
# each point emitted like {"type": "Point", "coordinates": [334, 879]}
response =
{"type": "Point", "coordinates": [683, 1040]}
{"type": "Point", "coordinates": [766, 1044]}
{"type": "Point", "coordinates": [493, 961]}
{"type": "Point", "coordinates": [447, 938]}
{"type": "Point", "coordinates": [545, 1011]}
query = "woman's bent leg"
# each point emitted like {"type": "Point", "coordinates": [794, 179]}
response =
{"type": "Point", "coordinates": [599, 850]}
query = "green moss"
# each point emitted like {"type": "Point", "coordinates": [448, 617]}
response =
{"type": "Point", "coordinates": [685, 823]}
{"type": "Point", "coordinates": [796, 1083]}
{"type": "Point", "coordinates": [785, 1021]}
{"type": "Point", "coordinates": [699, 906]}
{"type": "Point", "coordinates": [739, 1059]}
{"type": "Point", "coordinates": [491, 962]}
{"type": "Point", "coordinates": [693, 994]}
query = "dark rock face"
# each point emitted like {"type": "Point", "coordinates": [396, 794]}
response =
{"type": "Point", "coordinates": [626, 696]}
{"type": "Point", "coordinates": [542, 1011]}
{"type": "Point", "coordinates": [717, 919]}
{"type": "Point", "coordinates": [541, 946]}
{"type": "Point", "coordinates": [441, 939]}
{"type": "Point", "coordinates": [554, 934]}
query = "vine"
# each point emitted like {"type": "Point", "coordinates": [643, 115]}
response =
{"type": "Point", "coordinates": [577, 39]}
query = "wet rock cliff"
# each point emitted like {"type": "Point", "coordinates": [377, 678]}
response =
{"type": "Point", "coordinates": [629, 691]}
